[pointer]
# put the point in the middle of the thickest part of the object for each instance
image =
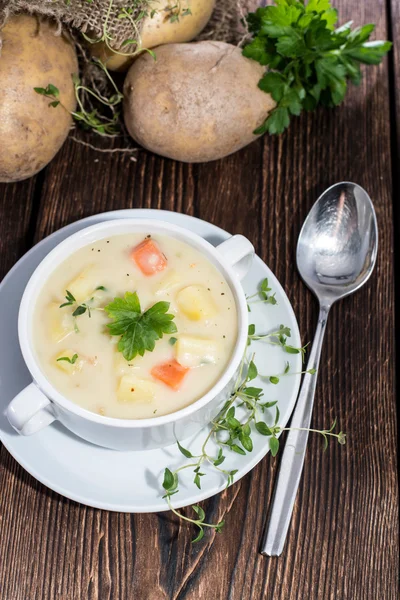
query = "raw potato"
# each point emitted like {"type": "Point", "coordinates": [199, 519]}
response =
{"type": "Point", "coordinates": [160, 29]}
{"type": "Point", "coordinates": [197, 102]}
{"type": "Point", "coordinates": [31, 131]}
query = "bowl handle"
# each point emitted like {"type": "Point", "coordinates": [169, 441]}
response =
{"type": "Point", "coordinates": [239, 253]}
{"type": "Point", "coordinates": [30, 411]}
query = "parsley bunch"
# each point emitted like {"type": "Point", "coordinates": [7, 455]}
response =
{"type": "Point", "coordinates": [309, 61]}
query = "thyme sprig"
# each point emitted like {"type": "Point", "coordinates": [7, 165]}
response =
{"type": "Point", "coordinates": [106, 126]}
{"type": "Point", "coordinates": [262, 296]}
{"type": "Point", "coordinates": [241, 417]}
{"type": "Point", "coordinates": [276, 338]}
{"type": "Point", "coordinates": [79, 309]}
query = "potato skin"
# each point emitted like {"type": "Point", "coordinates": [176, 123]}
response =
{"type": "Point", "coordinates": [159, 29]}
{"type": "Point", "coordinates": [31, 131]}
{"type": "Point", "coordinates": [196, 103]}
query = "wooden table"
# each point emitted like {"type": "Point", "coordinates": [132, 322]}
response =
{"type": "Point", "coordinates": [343, 542]}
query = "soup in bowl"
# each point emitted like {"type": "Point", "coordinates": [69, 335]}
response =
{"type": "Point", "coordinates": [133, 331]}
{"type": "Point", "coordinates": [135, 326]}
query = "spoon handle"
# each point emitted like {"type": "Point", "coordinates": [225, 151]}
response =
{"type": "Point", "coordinates": [293, 455]}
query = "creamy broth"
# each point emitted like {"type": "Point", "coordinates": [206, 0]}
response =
{"type": "Point", "coordinates": [96, 375]}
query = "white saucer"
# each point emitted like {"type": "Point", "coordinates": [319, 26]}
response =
{"type": "Point", "coordinates": [131, 481]}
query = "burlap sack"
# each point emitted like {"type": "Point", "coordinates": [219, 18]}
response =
{"type": "Point", "coordinates": [225, 24]}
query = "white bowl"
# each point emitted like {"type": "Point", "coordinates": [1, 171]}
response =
{"type": "Point", "coordinates": [39, 404]}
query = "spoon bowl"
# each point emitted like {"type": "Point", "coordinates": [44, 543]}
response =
{"type": "Point", "coordinates": [338, 242]}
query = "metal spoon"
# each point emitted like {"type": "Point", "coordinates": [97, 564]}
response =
{"type": "Point", "coordinates": [336, 254]}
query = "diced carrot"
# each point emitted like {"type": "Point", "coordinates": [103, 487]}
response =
{"type": "Point", "coordinates": [171, 373]}
{"type": "Point", "coordinates": [148, 257]}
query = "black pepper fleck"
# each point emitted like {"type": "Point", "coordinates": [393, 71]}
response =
{"type": "Point", "coordinates": [222, 294]}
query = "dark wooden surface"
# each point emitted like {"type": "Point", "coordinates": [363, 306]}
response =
{"type": "Point", "coordinates": [343, 542]}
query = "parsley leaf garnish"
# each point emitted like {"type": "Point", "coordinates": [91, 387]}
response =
{"type": "Point", "coordinates": [309, 61]}
{"type": "Point", "coordinates": [139, 330]}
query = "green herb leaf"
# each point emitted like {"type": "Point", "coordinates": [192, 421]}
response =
{"type": "Point", "coordinates": [172, 341]}
{"type": "Point", "coordinates": [49, 91]}
{"type": "Point", "coordinates": [184, 451]}
{"type": "Point", "coordinates": [291, 349]}
{"type": "Point", "coordinates": [139, 331]}
{"type": "Point", "coordinates": [197, 479]}
{"type": "Point", "coordinates": [220, 458]}
{"type": "Point", "coordinates": [246, 429]}
{"type": "Point", "coordinates": [237, 449]}
{"type": "Point", "coordinates": [263, 428]}
{"type": "Point", "coordinates": [230, 413]}
{"type": "Point", "coordinates": [170, 482]}
{"type": "Point", "coordinates": [252, 371]}
{"type": "Point", "coordinates": [246, 442]}
{"type": "Point", "coordinates": [269, 404]}
{"type": "Point", "coordinates": [233, 423]}
{"type": "Point", "coordinates": [274, 445]}
{"type": "Point", "coordinates": [199, 511]}
{"type": "Point", "coordinates": [273, 379]}
{"type": "Point", "coordinates": [199, 536]}
{"type": "Point", "coordinates": [72, 360]}
{"type": "Point", "coordinates": [253, 392]}
{"type": "Point", "coordinates": [69, 296]}
{"type": "Point", "coordinates": [231, 476]}
{"type": "Point", "coordinates": [79, 311]}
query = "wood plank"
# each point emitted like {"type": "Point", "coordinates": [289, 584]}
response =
{"type": "Point", "coordinates": [394, 63]}
{"type": "Point", "coordinates": [343, 541]}
{"type": "Point", "coordinates": [18, 221]}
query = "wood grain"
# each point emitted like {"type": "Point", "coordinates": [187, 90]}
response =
{"type": "Point", "coordinates": [394, 66]}
{"type": "Point", "coordinates": [343, 542]}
